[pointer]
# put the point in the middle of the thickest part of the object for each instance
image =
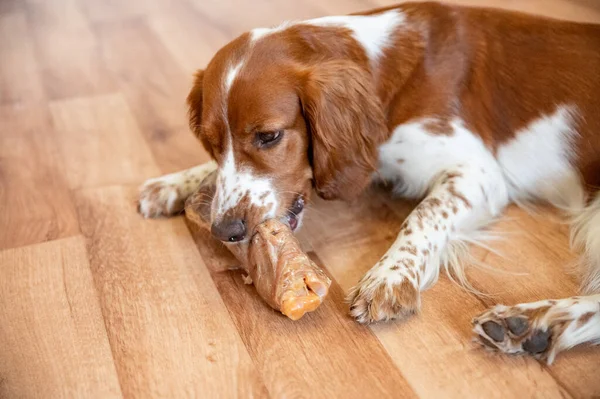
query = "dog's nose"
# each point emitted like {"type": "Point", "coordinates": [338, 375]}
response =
{"type": "Point", "coordinates": [230, 230]}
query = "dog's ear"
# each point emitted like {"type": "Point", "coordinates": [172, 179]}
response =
{"type": "Point", "coordinates": [194, 101]}
{"type": "Point", "coordinates": [346, 124]}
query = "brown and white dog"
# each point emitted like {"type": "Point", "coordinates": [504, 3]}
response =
{"type": "Point", "coordinates": [469, 109]}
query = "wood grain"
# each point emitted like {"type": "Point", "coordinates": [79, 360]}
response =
{"type": "Point", "coordinates": [112, 10]}
{"type": "Point", "coordinates": [179, 29]}
{"type": "Point", "coordinates": [67, 51]}
{"type": "Point", "coordinates": [19, 78]}
{"type": "Point", "coordinates": [341, 7]}
{"type": "Point", "coordinates": [99, 142]}
{"type": "Point", "coordinates": [170, 333]}
{"type": "Point", "coordinates": [52, 336]}
{"type": "Point", "coordinates": [304, 358]}
{"type": "Point", "coordinates": [248, 15]}
{"type": "Point", "coordinates": [35, 203]}
{"type": "Point", "coordinates": [156, 87]}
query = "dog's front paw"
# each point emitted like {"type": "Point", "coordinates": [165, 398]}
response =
{"type": "Point", "coordinates": [166, 195]}
{"type": "Point", "coordinates": [163, 196]}
{"type": "Point", "coordinates": [380, 298]}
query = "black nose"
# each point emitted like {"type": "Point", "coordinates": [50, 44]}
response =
{"type": "Point", "coordinates": [230, 230]}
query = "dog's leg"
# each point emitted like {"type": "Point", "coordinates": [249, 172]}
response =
{"type": "Point", "coordinates": [462, 199]}
{"type": "Point", "coordinates": [166, 195]}
{"type": "Point", "coordinates": [542, 329]}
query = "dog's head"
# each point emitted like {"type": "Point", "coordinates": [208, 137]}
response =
{"type": "Point", "coordinates": [282, 111]}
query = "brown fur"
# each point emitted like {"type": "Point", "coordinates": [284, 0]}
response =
{"type": "Point", "coordinates": [347, 126]}
{"type": "Point", "coordinates": [404, 300]}
{"type": "Point", "coordinates": [585, 318]}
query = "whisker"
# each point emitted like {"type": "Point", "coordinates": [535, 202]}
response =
{"type": "Point", "coordinates": [314, 211]}
{"type": "Point", "coordinates": [204, 203]}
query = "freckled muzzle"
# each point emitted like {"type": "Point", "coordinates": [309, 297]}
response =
{"type": "Point", "coordinates": [237, 205]}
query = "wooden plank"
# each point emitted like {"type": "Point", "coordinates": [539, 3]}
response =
{"type": "Point", "coordinates": [52, 335]}
{"type": "Point", "coordinates": [170, 333]}
{"type": "Point", "coordinates": [19, 78]}
{"type": "Point", "coordinates": [350, 238]}
{"type": "Point", "coordinates": [342, 7]}
{"type": "Point", "coordinates": [66, 50]}
{"type": "Point", "coordinates": [35, 203]}
{"type": "Point", "coordinates": [185, 33]}
{"type": "Point", "coordinates": [112, 10]}
{"type": "Point", "coordinates": [99, 142]}
{"type": "Point", "coordinates": [156, 89]}
{"type": "Point", "coordinates": [287, 10]}
{"type": "Point", "coordinates": [250, 15]}
{"type": "Point", "coordinates": [325, 354]}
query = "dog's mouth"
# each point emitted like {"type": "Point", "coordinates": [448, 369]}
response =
{"type": "Point", "coordinates": [292, 216]}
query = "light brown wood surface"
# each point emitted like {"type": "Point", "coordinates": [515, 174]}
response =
{"type": "Point", "coordinates": [97, 302]}
{"type": "Point", "coordinates": [53, 339]}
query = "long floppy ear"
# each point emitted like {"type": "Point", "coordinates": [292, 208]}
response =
{"type": "Point", "coordinates": [346, 124]}
{"type": "Point", "coordinates": [194, 101]}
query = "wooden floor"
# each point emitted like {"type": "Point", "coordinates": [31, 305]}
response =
{"type": "Point", "coordinates": [97, 302]}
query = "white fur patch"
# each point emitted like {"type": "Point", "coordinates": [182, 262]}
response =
{"type": "Point", "coordinates": [576, 333]}
{"type": "Point", "coordinates": [413, 158]}
{"type": "Point", "coordinates": [230, 76]}
{"type": "Point", "coordinates": [535, 165]}
{"type": "Point", "coordinates": [537, 162]}
{"type": "Point", "coordinates": [234, 184]}
{"type": "Point", "coordinates": [259, 33]}
{"type": "Point", "coordinates": [371, 31]}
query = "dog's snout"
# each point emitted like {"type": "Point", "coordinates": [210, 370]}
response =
{"type": "Point", "coordinates": [229, 230]}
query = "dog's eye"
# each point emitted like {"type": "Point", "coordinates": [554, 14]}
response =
{"type": "Point", "coordinates": [268, 139]}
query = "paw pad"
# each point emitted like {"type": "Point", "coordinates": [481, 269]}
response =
{"type": "Point", "coordinates": [509, 330]}
{"type": "Point", "coordinates": [517, 325]}
{"type": "Point", "coordinates": [494, 330]}
{"type": "Point", "coordinates": [537, 343]}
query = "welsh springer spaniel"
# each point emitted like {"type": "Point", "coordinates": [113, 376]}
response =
{"type": "Point", "coordinates": [468, 109]}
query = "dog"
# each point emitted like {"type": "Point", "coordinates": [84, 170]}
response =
{"type": "Point", "coordinates": [466, 109]}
